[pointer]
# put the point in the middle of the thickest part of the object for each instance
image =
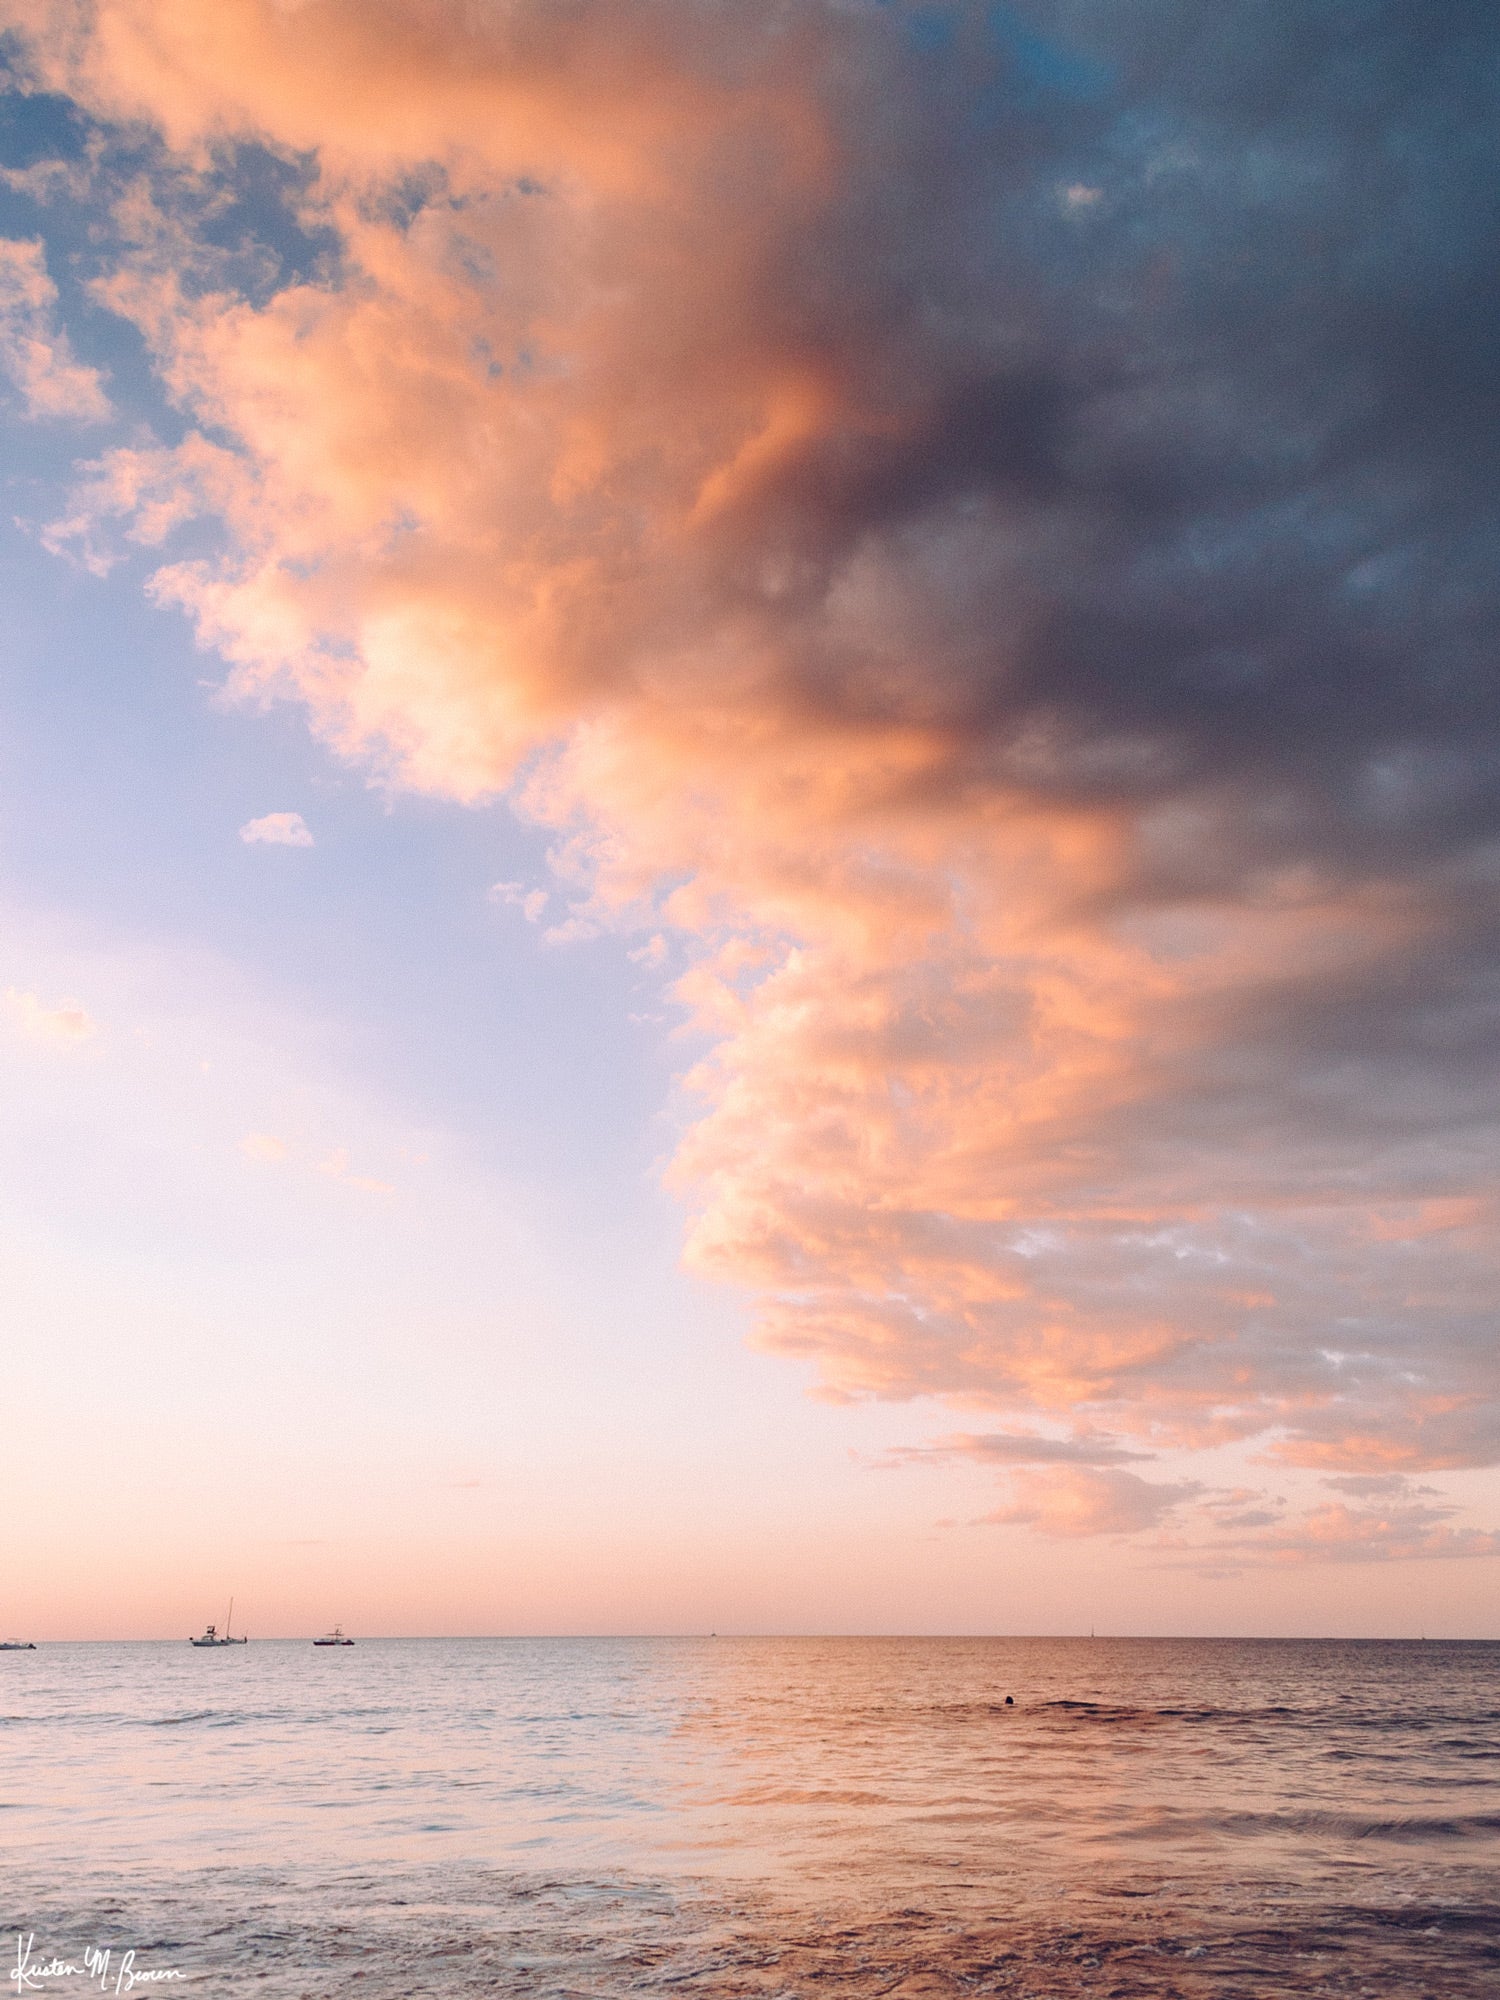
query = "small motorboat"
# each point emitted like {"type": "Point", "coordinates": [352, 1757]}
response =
{"type": "Point", "coordinates": [17, 1645]}
{"type": "Point", "coordinates": [214, 1637]}
{"type": "Point", "coordinates": [334, 1638]}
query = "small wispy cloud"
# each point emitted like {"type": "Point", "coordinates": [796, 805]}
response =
{"type": "Point", "coordinates": [1378, 1486]}
{"type": "Point", "coordinates": [266, 1149]}
{"type": "Point", "coordinates": [336, 1167]}
{"type": "Point", "coordinates": [1073, 1488]}
{"type": "Point", "coordinates": [64, 1025]}
{"type": "Point", "coordinates": [1396, 1521]}
{"type": "Point", "coordinates": [286, 829]}
{"type": "Point", "coordinates": [34, 351]}
{"type": "Point", "coordinates": [574, 930]}
{"type": "Point", "coordinates": [530, 902]}
{"type": "Point", "coordinates": [1070, 1501]}
{"type": "Point", "coordinates": [263, 1147]}
{"type": "Point", "coordinates": [1089, 1448]}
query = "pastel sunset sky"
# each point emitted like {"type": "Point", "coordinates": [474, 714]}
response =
{"type": "Point", "coordinates": [749, 829]}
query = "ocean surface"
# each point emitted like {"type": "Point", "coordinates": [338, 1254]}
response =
{"type": "Point", "coordinates": [767, 1817]}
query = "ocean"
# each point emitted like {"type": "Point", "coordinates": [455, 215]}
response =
{"type": "Point", "coordinates": [563, 1818]}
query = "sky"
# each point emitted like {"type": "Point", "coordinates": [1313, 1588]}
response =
{"type": "Point", "coordinates": [749, 832]}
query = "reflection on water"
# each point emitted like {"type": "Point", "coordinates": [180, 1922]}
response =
{"type": "Point", "coordinates": [764, 1816]}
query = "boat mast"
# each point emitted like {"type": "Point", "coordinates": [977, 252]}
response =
{"type": "Point", "coordinates": [229, 1621]}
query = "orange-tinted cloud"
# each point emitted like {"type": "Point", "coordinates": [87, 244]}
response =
{"type": "Point", "coordinates": [34, 351]}
{"type": "Point", "coordinates": [1390, 1521]}
{"type": "Point", "coordinates": [64, 1025]}
{"type": "Point", "coordinates": [1073, 1502]}
{"type": "Point", "coordinates": [1004, 657]}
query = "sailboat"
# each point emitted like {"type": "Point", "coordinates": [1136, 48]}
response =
{"type": "Point", "coordinates": [214, 1637]}
{"type": "Point", "coordinates": [17, 1645]}
{"type": "Point", "coordinates": [334, 1638]}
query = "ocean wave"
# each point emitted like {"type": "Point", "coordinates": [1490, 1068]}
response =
{"type": "Point", "coordinates": [1324, 1823]}
{"type": "Point", "coordinates": [1388, 1721]}
{"type": "Point", "coordinates": [475, 1934]}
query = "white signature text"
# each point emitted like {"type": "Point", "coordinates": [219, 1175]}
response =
{"type": "Point", "coordinates": [35, 1972]}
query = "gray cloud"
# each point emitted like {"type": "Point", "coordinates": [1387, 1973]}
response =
{"type": "Point", "coordinates": [1013, 1448]}
{"type": "Point", "coordinates": [1216, 450]}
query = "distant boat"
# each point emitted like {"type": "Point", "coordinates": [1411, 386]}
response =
{"type": "Point", "coordinates": [214, 1637]}
{"type": "Point", "coordinates": [334, 1638]}
{"type": "Point", "coordinates": [17, 1645]}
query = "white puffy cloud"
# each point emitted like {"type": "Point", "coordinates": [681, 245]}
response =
{"type": "Point", "coordinates": [284, 829]}
{"type": "Point", "coordinates": [530, 902]}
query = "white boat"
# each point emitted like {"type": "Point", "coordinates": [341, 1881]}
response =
{"type": "Point", "coordinates": [214, 1637]}
{"type": "Point", "coordinates": [17, 1645]}
{"type": "Point", "coordinates": [334, 1638]}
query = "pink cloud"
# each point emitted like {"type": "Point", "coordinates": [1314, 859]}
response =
{"type": "Point", "coordinates": [1074, 1501]}
{"type": "Point", "coordinates": [34, 351]}
{"type": "Point", "coordinates": [1397, 1522]}
{"type": "Point", "coordinates": [1054, 1068]}
{"type": "Point", "coordinates": [65, 1025]}
{"type": "Point", "coordinates": [1198, 1527]}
